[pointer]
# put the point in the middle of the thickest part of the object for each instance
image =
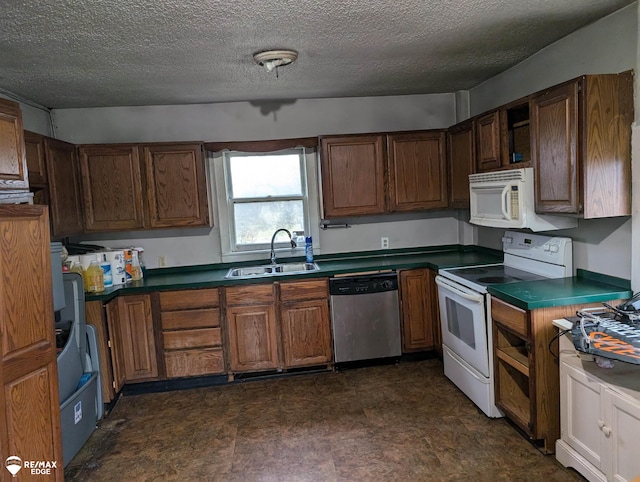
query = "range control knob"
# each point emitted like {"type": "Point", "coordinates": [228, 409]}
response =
{"type": "Point", "coordinates": [554, 248]}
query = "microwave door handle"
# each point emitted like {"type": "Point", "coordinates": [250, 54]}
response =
{"type": "Point", "coordinates": [506, 202]}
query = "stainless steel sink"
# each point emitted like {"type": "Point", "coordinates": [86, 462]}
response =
{"type": "Point", "coordinates": [271, 270]}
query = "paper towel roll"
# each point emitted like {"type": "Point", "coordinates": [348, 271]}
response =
{"type": "Point", "coordinates": [116, 258]}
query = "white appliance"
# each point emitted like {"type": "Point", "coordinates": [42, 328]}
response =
{"type": "Point", "coordinates": [505, 199]}
{"type": "Point", "coordinates": [465, 308]}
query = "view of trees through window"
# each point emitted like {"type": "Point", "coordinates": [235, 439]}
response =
{"type": "Point", "coordinates": [265, 192]}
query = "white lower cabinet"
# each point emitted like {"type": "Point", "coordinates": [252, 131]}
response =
{"type": "Point", "coordinates": [600, 425]}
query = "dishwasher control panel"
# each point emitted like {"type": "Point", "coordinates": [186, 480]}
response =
{"type": "Point", "coordinates": [360, 285]}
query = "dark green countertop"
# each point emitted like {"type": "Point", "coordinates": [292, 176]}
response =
{"type": "Point", "coordinates": [586, 287]}
{"type": "Point", "coordinates": [214, 275]}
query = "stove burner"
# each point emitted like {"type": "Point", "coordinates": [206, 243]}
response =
{"type": "Point", "coordinates": [496, 279]}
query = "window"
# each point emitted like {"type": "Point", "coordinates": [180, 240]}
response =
{"type": "Point", "coordinates": [260, 193]}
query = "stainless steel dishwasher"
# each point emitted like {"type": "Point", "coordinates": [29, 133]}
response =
{"type": "Point", "coordinates": [365, 316]}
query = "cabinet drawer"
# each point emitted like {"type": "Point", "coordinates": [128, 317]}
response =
{"type": "Point", "coordinates": [249, 295]}
{"type": "Point", "coordinates": [188, 363]}
{"type": "Point", "coordinates": [510, 316]}
{"type": "Point", "coordinates": [189, 299]}
{"type": "Point", "coordinates": [191, 338]}
{"type": "Point", "coordinates": [304, 290]}
{"type": "Point", "coordinates": [179, 320]}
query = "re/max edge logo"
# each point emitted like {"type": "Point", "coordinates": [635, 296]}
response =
{"type": "Point", "coordinates": [14, 464]}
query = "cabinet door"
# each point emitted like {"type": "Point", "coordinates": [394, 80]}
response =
{"type": "Point", "coordinates": [554, 137]}
{"type": "Point", "coordinates": [34, 151]}
{"type": "Point", "coordinates": [306, 333]}
{"type": "Point", "coordinates": [30, 408]}
{"type": "Point", "coordinates": [176, 185]}
{"type": "Point", "coordinates": [352, 175]}
{"type": "Point", "coordinates": [112, 187]}
{"type": "Point", "coordinates": [580, 410]}
{"type": "Point", "coordinates": [461, 163]}
{"type": "Point", "coordinates": [488, 142]}
{"type": "Point", "coordinates": [417, 171]}
{"type": "Point", "coordinates": [252, 337]}
{"type": "Point", "coordinates": [64, 188]}
{"type": "Point", "coordinates": [622, 431]}
{"type": "Point", "coordinates": [132, 323]}
{"type": "Point", "coordinates": [417, 322]}
{"type": "Point", "coordinates": [13, 162]}
{"type": "Point", "coordinates": [95, 316]}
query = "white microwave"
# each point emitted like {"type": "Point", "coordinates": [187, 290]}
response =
{"type": "Point", "coordinates": [505, 199]}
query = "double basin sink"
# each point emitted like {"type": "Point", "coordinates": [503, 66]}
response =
{"type": "Point", "coordinates": [271, 270]}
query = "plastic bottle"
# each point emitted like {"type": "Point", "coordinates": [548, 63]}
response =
{"type": "Point", "coordinates": [105, 266]}
{"type": "Point", "coordinates": [308, 249]}
{"type": "Point", "coordinates": [93, 278]}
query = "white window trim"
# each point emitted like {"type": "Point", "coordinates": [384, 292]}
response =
{"type": "Point", "coordinates": [219, 188]}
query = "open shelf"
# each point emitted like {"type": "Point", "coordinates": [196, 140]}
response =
{"type": "Point", "coordinates": [512, 394]}
{"type": "Point", "coordinates": [515, 356]}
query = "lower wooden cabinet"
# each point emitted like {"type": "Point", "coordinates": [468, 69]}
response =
{"type": "Point", "coordinates": [29, 404]}
{"type": "Point", "coordinates": [260, 339]}
{"type": "Point", "coordinates": [418, 315]}
{"type": "Point", "coordinates": [96, 316]}
{"type": "Point", "coordinates": [191, 333]}
{"type": "Point", "coordinates": [130, 322]}
{"type": "Point", "coordinates": [306, 327]}
{"type": "Point", "coordinates": [526, 383]}
{"type": "Point", "coordinates": [253, 337]}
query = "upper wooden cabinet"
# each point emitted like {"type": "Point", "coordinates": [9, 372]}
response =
{"type": "Point", "coordinates": [417, 171]}
{"type": "Point", "coordinates": [488, 146]}
{"type": "Point", "coordinates": [34, 152]}
{"type": "Point", "coordinates": [581, 146]}
{"type": "Point", "coordinates": [377, 173]}
{"type": "Point", "coordinates": [176, 185]}
{"type": "Point", "coordinates": [171, 176]}
{"type": "Point", "coordinates": [53, 168]}
{"type": "Point", "coordinates": [112, 187]}
{"type": "Point", "coordinates": [352, 175]}
{"type": "Point", "coordinates": [64, 188]}
{"type": "Point", "coordinates": [13, 163]}
{"type": "Point", "coordinates": [461, 152]}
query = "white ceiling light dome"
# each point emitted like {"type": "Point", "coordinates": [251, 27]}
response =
{"type": "Point", "coordinates": [270, 59]}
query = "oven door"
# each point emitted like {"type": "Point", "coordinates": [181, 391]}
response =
{"type": "Point", "coordinates": [464, 327]}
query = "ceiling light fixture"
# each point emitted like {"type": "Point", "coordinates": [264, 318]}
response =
{"type": "Point", "coordinates": [272, 59]}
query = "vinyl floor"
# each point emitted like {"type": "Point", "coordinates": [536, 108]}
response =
{"type": "Point", "coordinates": [402, 422]}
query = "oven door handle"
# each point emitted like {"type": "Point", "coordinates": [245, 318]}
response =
{"type": "Point", "coordinates": [459, 290]}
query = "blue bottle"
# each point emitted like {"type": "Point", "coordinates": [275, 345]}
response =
{"type": "Point", "coordinates": [308, 249]}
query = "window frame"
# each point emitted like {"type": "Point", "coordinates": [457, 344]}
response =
{"type": "Point", "coordinates": [232, 202]}
{"type": "Point", "coordinates": [221, 189]}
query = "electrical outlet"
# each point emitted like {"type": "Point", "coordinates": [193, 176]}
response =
{"type": "Point", "coordinates": [162, 261]}
{"type": "Point", "coordinates": [384, 243]}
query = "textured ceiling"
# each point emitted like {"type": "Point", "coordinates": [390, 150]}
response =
{"type": "Point", "coordinates": [74, 53]}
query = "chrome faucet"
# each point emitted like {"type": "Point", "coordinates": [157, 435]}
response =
{"type": "Point", "coordinates": [273, 238]}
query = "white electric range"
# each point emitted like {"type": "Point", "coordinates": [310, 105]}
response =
{"type": "Point", "coordinates": [465, 307]}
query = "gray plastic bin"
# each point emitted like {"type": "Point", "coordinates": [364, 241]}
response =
{"type": "Point", "coordinates": [78, 418]}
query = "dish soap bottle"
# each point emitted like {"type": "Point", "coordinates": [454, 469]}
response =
{"type": "Point", "coordinates": [94, 278]}
{"type": "Point", "coordinates": [308, 249]}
